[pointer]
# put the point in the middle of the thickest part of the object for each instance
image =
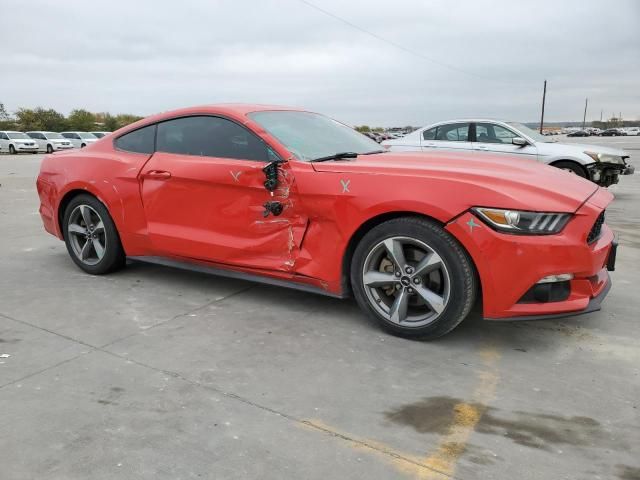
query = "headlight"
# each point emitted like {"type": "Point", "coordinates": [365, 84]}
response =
{"type": "Point", "coordinates": [521, 222]}
{"type": "Point", "coordinates": [605, 157]}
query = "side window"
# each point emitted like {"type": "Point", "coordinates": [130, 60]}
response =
{"type": "Point", "coordinates": [67, 135]}
{"type": "Point", "coordinates": [76, 136]}
{"type": "Point", "coordinates": [138, 141]}
{"type": "Point", "coordinates": [454, 132]}
{"type": "Point", "coordinates": [3, 136]}
{"type": "Point", "coordinates": [430, 134]}
{"type": "Point", "coordinates": [490, 133]}
{"type": "Point", "coordinates": [210, 137]}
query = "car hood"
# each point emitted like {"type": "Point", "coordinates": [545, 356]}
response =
{"type": "Point", "coordinates": [506, 181]}
{"type": "Point", "coordinates": [576, 149]}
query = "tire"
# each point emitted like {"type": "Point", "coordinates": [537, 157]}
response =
{"type": "Point", "coordinates": [86, 210]}
{"type": "Point", "coordinates": [49, 149]}
{"type": "Point", "coordinates": [12, 150]}
{"type": "Point", "coordinates": [437, 287]}
{"type": "Point", "coordinates": [83, 145]}
{"type": "Point", "coordinates": [572, 167]}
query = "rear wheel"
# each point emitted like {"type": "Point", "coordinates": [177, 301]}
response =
{"type": "Point", "coordinates": [571, 167]}
{"type": "Point", "coordinates": [91, 236]}
{"type": "Point", "coordinates": [413, 278]}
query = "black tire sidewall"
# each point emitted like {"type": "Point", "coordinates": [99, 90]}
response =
{"type": "Point", "coordinates": [114, 257]}
{"type": "Point", "coordinates": [462, 274]}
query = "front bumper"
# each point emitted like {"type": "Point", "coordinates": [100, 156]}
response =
{"type": "Point", "coordinates": [26, 148]}
{"type": "Point", "coordinates": [61, 147]}
{"type": "Point", "coordinates": [510, 265]}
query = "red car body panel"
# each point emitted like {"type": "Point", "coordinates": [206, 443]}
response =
{"type": "Point", "coordinates": [210, 210]}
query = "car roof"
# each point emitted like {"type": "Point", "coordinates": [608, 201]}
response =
{"type": "Point", "coordinates": [226, 109]}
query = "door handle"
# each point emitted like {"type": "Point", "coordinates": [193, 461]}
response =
{"type": "Point", "coordinates": [158, 174]}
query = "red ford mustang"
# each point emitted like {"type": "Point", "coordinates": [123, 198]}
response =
{"type": "Point", "coordinates": [296, 199]}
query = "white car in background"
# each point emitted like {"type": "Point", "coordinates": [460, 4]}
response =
{"type": "Point", "coordinates": [17, 142]}
{"type": "Point", "coordinates": [50, 141]}
{"type": "Point", "coordinates": [80, 139]}
{"type": "Point", "coordinates": [100, 134]}
{"type": "Point", "coordinates": [633, 131]}
{"type": "Point", "coordinates": [601, 165]}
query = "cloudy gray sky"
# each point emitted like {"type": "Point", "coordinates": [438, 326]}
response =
{"type": "Point", "coordinates": [466, 58]}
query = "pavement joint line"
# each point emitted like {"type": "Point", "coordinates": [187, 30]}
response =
{"type": "Point", "coordinates": [33, 374]}
{"type": "Point", "coordinates": [66, 337]}
{"type": "Point", "coordinates": [94, 347]}
{"type": "Point", "coordinates": [180, 315]}
{"type": "Point", "coordinates": [287, 416]}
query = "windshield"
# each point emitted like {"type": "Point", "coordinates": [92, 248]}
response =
{"type": "Point", "coordinates": [310, 135]}
{"type": "Point", "coordinates": [53, 135]}
{"type": "Point", "coordinates": [18, 135]}
{"type": "Point", "coordinates": [530, 133]}
{"type": "Point", "coordinates": [87, 135]}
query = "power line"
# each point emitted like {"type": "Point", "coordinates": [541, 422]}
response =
{"type": "Point", "coordinates": [399, 46]}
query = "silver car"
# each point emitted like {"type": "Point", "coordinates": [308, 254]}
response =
{"type": "Point", "coordinates": [17, 142]}
{"type": "Point", "coordinates": [50, 141]}
{"type": "Point", "coordinates": [80, 139]}
{"type": "Point", "coordinates": [601, 165]}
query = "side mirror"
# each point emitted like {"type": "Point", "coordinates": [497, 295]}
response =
{"type": "Point", "coordinates": [521, 142]}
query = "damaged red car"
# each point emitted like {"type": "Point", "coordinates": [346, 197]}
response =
{"type": "Point", "coordinates": [296, 199]}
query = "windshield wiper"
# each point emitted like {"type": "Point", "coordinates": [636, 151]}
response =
{"type": "Point", "coordinates": [374, 152]}
{"type": "Point", "coordinates": [336, 156]}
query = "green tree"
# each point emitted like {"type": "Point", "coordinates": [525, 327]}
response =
{"type": "Point", "coordinates": [51, 120]}
{"type": "Point", "coordinates": [110, 122]}
{"type": "Point", "coordinates": [363, 128]}
{"type": "Point", "coordinates": [81, 120]}
{"type": "Point", "coordinates": [6, 121]}
{"type": "Point", "coordinates": [124, 119]}
{"type": "Point", "coordinates": [27, 119]}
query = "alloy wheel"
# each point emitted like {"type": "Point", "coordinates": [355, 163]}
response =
{"type": "Point", "coordinates": [406, 281]}
{"type": "Point", "coordinates": [87, 235]}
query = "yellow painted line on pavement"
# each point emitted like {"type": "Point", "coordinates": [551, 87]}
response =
{"type": "Point", "coordinates": [466, 416]}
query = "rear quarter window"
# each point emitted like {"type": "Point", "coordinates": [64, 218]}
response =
{"type": "Point", "coordinates": [138, 141]}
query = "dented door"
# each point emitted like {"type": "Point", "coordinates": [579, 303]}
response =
{"type": "Point", "coordinates": [212, 209]}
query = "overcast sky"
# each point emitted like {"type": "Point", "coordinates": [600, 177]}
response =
{"type": "Point", "coordinates": [470, 58]}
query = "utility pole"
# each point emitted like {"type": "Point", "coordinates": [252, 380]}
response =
{"type": "Point", "coordinates": [584, 118]}
{"type": "Point", "coordinates": [544, 95]}
{"type": "Point", "coordinates": [601, 115]}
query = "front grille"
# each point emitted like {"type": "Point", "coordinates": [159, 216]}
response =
{"type": "Point", "coordinates": [594, 234]}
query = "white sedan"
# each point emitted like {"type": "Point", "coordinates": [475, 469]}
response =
{"type": "Point", "coordinates": [601, 165]}
{"type": "Point", "coordinates": [50, 141]}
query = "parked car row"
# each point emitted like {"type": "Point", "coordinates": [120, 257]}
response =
{"type": "Point", "coordinates": [601, 165]}
{"type": "Point", "coordinates": [43, 141]}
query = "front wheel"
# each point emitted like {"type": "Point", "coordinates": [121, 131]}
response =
{"type": "Point", "coordinates": [49, 149]}
{"type": "Point", "coordinates": [83, 145]}
{"type": "Point", "coordinates": [413, 278]}
{"type": "Point", "coordinates": [91, 236]}
{"type": "Point", "coordinates": [12, 150]}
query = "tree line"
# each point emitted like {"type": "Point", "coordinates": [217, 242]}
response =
{"type": "Point", "coordinates": [48, 119]}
